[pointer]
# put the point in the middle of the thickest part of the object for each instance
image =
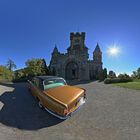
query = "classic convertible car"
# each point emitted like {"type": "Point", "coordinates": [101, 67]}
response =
{"type": "Point", "coordinates": [54, 95]}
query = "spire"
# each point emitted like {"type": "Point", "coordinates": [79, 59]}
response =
{"type": "Point", "coordinates": [97, 49]}
{"type": "Point", "coordinates": [55, 50]}
{"type": "Point", "coordinates": [97, 54]}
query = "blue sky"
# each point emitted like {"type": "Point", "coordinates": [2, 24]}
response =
{"type": "Point", "coordinates": [31, 28]}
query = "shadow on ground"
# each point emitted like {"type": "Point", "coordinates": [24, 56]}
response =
{"type": "Point", "coordinates": [20, 109]}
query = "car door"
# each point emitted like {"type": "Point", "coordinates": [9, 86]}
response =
{"type": "Point", "coordinates": [38, 92]}
{"type": "Point", "coordinates": [33, 87]}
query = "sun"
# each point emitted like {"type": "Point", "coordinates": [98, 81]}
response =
{"type": "Point", "coordinates": [113, 50]}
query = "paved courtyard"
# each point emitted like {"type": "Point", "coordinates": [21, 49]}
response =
{"type": "Point", "coordinates": [110, 113]}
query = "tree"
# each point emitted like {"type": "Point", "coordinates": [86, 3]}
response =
{"type": "Point", "coordinates": [11, 65]}
{"type": "Point", "coordinates": [104, 73]}
{"type": "Point", "coordinates": [101, 76]}
{"type": "Point", "coordinates": [31, 67]}
{"type": "Point", "coordinates": [136, 74]}
{"type": "Point", "coordinates": [19, 73]}
{"type": "Point", "coordinates": [112, 74]}
{"type": "Point", "coordinates": [44, 68]}
{"type": "Point", "coordinates": [36, 67]}
{"type": "Point", "coordinates": [5, 73]}
{"type": "Point", "coordinates": [123, 76]}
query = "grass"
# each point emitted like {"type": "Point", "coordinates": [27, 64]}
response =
{"type": "Point", "coordinates": [131, 85]}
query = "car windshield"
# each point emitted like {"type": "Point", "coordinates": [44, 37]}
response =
{"type": "Point", "coordinates": [52, 83]}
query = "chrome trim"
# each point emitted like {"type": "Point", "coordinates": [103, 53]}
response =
{"type": "Point", "coordinates": [56, 115]}
{"type": "Point", "coordinates": [64, 117]}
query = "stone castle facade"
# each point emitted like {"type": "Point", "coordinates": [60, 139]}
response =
{"type": "Point", "coordinates": [75, 64]}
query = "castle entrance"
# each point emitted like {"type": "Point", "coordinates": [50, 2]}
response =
{"type": "Point", "coordinates": [72, 71]}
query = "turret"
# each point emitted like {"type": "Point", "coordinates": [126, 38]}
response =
{"type": "Point", "coordinates": [55, 51]}
{"type": "Point", "coordinates": [77, 46]}
{"type": "Point", "coordinates": [97, 54]}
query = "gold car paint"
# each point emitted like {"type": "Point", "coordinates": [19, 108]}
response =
{"type": "Point", "coordinates": [67, 95]}
{"type": "Point", "coordinates": [46, 101]}
{"type": "Point", "coordinates": [59, 98]}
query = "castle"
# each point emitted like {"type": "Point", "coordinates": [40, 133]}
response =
{"type": "Point", "coordinates": [75, 64]}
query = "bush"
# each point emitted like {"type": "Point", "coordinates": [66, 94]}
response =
{"type": "Point", "coordinates": [5, 74]}
{"type": "Point", "coordinates": [110, 80]}
{"type": "Point", "coordinates": [121, 79]}
{"type": "Point", "coordinates": [117, 80]}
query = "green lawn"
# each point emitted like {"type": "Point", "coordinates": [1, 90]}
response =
{"type": "Point", "coordinates": [132, 85]}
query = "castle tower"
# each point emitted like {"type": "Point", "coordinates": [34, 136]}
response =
{"type": "Point", "coordinates": [97, 63]}
{"type": "Point", "coordinates": [54, 61]}
{"type": "Point", "coordinates": [55, 55]}
{"type": "Point", "coordinates": [55, 51]}
{"type": "Point", "coordinates": [97, 54]}
{"type": "Point", "coordinates": [74, 64]}
{"type": "Point", "coordinates": [77, 45]}
{"type": "Point", "coordinates": [77, 40]}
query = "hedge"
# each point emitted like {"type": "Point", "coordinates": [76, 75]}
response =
{"type": "Point", "coordinates": [117, 80]}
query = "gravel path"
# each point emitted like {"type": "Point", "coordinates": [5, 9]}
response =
{"type": "Point", "coordinates": [110, 113]}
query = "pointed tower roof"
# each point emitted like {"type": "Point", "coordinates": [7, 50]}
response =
{"type": "Point", "coordinates": [97, 49]}
{"type": "Point", "coordinates": [55, 50]}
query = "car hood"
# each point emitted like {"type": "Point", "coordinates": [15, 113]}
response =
{"type": "Point", "coordinates": [65, 94]}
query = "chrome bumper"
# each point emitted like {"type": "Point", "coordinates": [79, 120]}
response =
{"type": "Point", "coordinates": [63, 117]}
{"type": "Point", "coordinates": [56, 115]}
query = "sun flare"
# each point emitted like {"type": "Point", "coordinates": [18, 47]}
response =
{"type": "Point", "coordinates": [113, 50]}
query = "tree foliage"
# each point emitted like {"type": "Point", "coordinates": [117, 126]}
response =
{"type": "Point", "coordinates": [103, 74]}
{"type": "Point", "coordinates": [112, 74]}
{"type": "Point", "coordinates": [10, 64]}
{"type": "Point", "coordinates": [123, 76]}
{"type": "Point", "coordinates": [120, 79]}
{"type": "Point", "coordinates": [36, 67]}
{"type": "Point", "coordinates": [33, 68]}
{"type": "Point", "coordinates": [136, 74]}
{"type": "Point", "coordinates": [5, 74]}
